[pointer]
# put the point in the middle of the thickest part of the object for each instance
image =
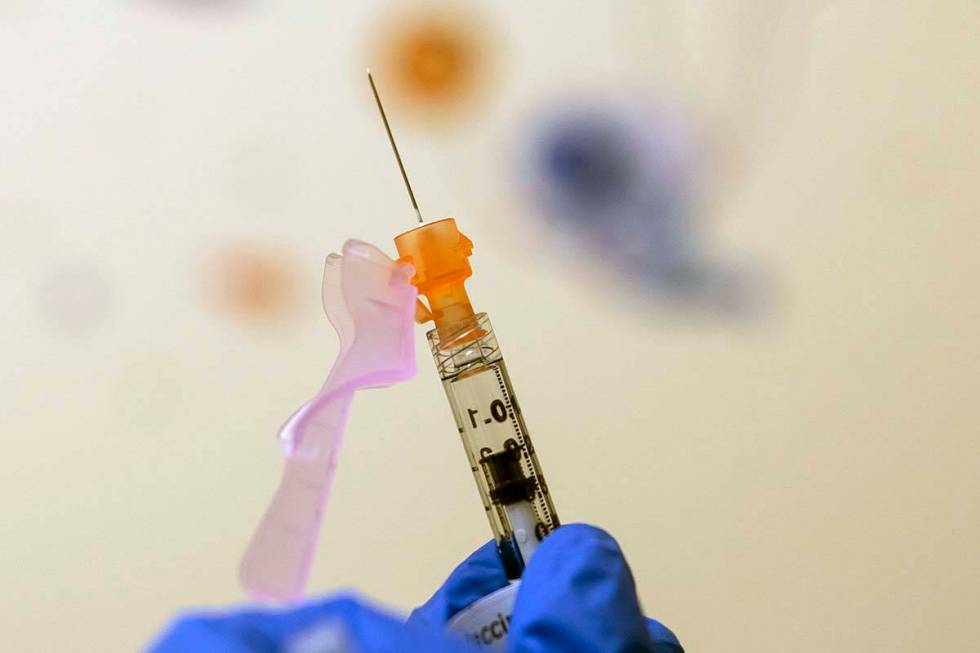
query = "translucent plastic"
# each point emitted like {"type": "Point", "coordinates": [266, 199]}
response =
{"type": "Point", "coordinates": [491, 426]}
{"type": "Point", "coordinates": [371, 304]}
{"type": "Point", "coordinates": [440, 253]}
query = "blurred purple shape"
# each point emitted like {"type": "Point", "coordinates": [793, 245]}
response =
{"type": "Point", "coordinates": [204, 7]}
{"type": "Point", "coordinates": [627, 179]}
{"type": "Point", "coordinates": [76, 299]}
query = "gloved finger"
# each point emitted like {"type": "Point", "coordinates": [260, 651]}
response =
{"type": "Point", "coordinates": [333, 625]}
{"type": "Point", "coordinates": [480, 574]}
{"type": "Point", "coordinates": [191, 633]}
{"type": "Point", "coordinates": [664, 639]}
{"type": "Point", "coordinates": [348, 626]}
{"type": "Point", "coordinates": [577, 594]}
{"type": "Point", "coordinates": [240, 632]}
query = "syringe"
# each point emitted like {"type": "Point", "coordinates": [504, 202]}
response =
{"type": "Point", "coordinates": [488, 416]}
{"type": "Point", "coordinates": [474, 376]}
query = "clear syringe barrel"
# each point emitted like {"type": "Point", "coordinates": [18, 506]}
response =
{"type": "Point", "coordinates": [491, 426]}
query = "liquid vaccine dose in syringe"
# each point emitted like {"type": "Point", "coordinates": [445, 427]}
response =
{"type": "Point", "coordinates": [469, 362]}
{"type": "Point", "coordinates": [484, 405]}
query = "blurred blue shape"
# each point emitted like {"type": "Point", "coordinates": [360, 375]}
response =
{"type": "Point", "coordinates": [626, 179]}
{"type": "Point", "coordinates": [588, 161]}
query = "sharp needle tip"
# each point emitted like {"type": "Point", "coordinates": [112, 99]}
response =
{"type": "Point", "coordinates": [391, 139]}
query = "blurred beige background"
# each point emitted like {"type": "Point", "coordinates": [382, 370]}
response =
{"type": "Point", "coordinates": [806, 481]}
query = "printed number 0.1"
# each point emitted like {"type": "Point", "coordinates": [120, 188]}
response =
{"type": "Point", "coordinates": [497, 410]}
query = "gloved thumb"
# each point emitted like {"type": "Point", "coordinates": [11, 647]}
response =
{"type": "Point", "coordinates": [578, 594]}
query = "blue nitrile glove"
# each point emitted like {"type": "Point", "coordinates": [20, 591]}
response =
{"type": "Point", "coordinates": [338, 624]}
{"type": "Point", "coordinates": [577, 595]}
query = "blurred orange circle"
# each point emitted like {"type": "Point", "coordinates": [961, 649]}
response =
{"type": "Point", "coordinates": [253, 282]}
{"type": "Point", "coordinates": [433, 60]}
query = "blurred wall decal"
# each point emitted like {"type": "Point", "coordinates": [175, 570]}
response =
{"type": "Point", "coordinates": [627, 180]}
{"type": "Point", "coordinates": [76, 299]}
{"type": "Point", "coordinates": [436, 59]}
{"type": "Point", "coordinates": [252, 283]}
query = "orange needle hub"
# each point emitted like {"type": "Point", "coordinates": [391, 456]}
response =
{"type": "Point", "coordinates": [440, 255]}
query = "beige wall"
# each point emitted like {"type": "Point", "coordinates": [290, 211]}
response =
{"type": "Point", "coordinates": [806, 481]}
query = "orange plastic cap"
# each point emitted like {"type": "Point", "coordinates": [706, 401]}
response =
{"type": "Point", "coordinates": [440, 255]}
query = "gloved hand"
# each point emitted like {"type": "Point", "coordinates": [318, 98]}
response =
{"type": "Point", "coordinates": [576, 595]}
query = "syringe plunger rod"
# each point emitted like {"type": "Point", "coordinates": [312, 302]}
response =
{"type": "Point", "coordinates": [495, 438]}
